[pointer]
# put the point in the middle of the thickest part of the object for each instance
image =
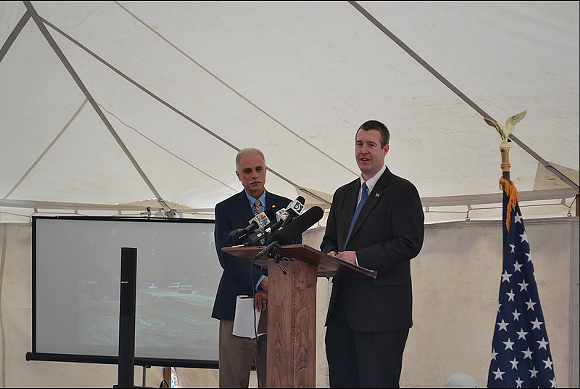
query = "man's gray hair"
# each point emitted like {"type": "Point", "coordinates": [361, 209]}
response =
{"type": "Point", "coordinates": [246, 151]}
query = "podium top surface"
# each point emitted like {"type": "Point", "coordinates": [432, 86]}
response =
{"type": "Point", "coordinates": [327, 265]}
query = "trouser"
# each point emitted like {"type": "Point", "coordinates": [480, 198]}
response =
{"type": "Point", "coordinates": [236, 355]}
{"type": "Point", "coordinates": [362, 359]}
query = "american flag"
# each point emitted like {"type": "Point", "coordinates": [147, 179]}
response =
{"type": "Point", "coordinates": [520, 355]}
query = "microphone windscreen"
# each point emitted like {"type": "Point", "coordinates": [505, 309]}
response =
{"type": "Point", "coordinates": [233, 236]}
{"type": "Point", "coordinates": [300, 224]}
{"type": "Point", "coordinates": [301, 200]}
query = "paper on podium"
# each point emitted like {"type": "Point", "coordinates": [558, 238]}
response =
{"type": "Point", "coordinates": [244, 323]}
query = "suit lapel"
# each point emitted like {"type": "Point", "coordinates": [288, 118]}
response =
{"type": "Point", "coordinates": [373, 199]}
{"type": "Point", "coordinates": [270, 202]}
{"type": "Point", "coordinates": [350, 202]}
{"type": "Point", "coordinates": [243, 206]}
{"type": "Point", "coordinates": [351, 199]}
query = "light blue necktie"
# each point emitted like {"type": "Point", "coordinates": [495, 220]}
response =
{"type": "Point", "coordinates": [363, 198]}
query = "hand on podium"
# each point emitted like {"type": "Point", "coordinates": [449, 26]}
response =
{"type": "Point", "coordinates": [348, 256]}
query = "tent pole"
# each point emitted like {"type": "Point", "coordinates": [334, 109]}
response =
{"type": "Point", "coordinates": [87, 94]}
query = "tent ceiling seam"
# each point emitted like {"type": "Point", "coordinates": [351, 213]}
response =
{"type": "Point", "coordinates": [314, 195]}
{"type": "Point", "coordinates": [159, 99]}
{"type": "Point", "coordinates": [80, 84]}
{"type": "Point", "coordinates": [234, 90]}
{"type": "Point", "coordinates": [151, 94]}
{"type": "Point", "coordinates": [460, 94]}
{"type": "Point", "coordinates": [47, 148]}
{"type": "Point", "coordinates": [12, 37]}
{"type": "Point", "coordinates": [166, 150]}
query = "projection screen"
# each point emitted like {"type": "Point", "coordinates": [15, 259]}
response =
{"type": "Point", "coordinates": [76, 265]}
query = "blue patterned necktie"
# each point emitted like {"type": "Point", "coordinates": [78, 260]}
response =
{"type": "Point", "coordinates": [363, 198]}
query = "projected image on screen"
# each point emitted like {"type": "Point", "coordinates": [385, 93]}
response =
{"type": "Point", "coordinates": [77, 285]}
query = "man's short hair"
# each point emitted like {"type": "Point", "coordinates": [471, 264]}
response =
{"type": "Point", "coordinates": [380, 127]}
{"type": "Point", "coordinates": [246, 151]}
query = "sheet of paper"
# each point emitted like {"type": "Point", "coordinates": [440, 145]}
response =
{"type": "Point", "coordinates": [244, 323]}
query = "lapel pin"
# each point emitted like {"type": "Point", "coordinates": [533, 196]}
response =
{"type": "Point", "coordinates": [377, 194]}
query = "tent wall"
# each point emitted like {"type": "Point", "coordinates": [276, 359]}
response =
{"type": "Point", "coordinates": [456, 280]}
{"type": "Point", "coordinates": [456, 283]}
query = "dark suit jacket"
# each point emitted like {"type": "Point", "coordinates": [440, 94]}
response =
{"type": "Point", "coordinates": [239, 276]}
{"type": "Point", "coordinates": [388, 233]}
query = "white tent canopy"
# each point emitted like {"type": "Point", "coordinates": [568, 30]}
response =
{"type": "Point", "coordinates": [110, 103]}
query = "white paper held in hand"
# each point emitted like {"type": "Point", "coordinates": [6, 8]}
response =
{"type": "Point", "coordinates": [245, 325]}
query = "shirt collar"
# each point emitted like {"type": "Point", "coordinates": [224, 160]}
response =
{"type": "Point", "coordinates": [252, 200]}
{"type": "Point", "coordinates": [371, 182]}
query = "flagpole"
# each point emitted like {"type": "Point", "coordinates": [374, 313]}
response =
{"type": "Point", "coordinates": [505, 162]}
{"type": "Point", "coordinates": [520, 354]}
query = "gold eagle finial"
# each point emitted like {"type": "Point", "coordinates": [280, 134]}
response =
{"type": "Point", "coordinates": [505, 131]}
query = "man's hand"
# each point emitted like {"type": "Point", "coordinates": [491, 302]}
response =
{"type": "Point", "coordinates": [349, 256]}
{"type": "Point", "coordinates": [264, 284]}
{"type": "Point", "coordinates": [261, 300]}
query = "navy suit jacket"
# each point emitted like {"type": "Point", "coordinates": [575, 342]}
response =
{"type": "Point", "coordinates": [388, 233]}
{"type": "Point", "coordinates": [239, 276]}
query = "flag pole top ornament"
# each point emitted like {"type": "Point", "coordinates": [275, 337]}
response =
{"type": "Point", "coordinates": [505, 131]}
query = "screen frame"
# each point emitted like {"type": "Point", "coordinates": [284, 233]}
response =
{"type": "Point", "coordinates": [107, 359]}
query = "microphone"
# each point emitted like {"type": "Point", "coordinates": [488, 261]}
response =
{"type": "Point", "coordinates": [283, 217]}
{"type": "Point", "coordinates": [294, 209]}
{"type": "Point", "coordinates": [289, 233]}
{"type": "Point", "coordinates": [286, 215]}
{"type": "Point", "coordinates": [241, 234]}
{"type": "Point", "coordinates": [261, 233]}
{"type": "Point", "coordinates": [303, 222]}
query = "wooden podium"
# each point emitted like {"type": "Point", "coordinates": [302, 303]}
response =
{"type": "Point", "coordinates": [292, 308]}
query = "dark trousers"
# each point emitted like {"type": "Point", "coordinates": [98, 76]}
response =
{"type": "Point", "coordinates": [362, 359]}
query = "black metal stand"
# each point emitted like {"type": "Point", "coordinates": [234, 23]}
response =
{"type": "Point", "coordinates": [127, 317]}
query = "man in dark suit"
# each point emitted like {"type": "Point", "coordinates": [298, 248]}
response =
{"type": "Point", "coordinates": [236, 354]}
{"type": "Point", "coordinates": [368, 319]}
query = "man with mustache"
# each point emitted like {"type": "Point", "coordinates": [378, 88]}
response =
{"type": "Point", "coordinates": [368, 319]}
{"type": "Point", "coordinates": [239, 277]}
